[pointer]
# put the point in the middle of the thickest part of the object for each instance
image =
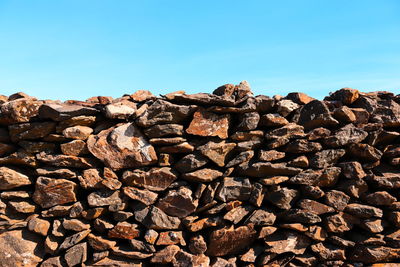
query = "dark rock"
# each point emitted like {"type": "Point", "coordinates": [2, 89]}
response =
{"type": "Point", "coordinates": [326, 158]}
{"type": "Point", "coordinates": [60, 112]}
{"type": "Point", "coordinates": [51, 192]}
{"type": "Point", "coordinates": [316, 114]}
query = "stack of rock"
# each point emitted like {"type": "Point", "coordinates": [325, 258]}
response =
{"type": "Point", "coordinates": [222, 179]}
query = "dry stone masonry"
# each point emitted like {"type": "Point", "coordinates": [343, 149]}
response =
{"type": "Point", "coordinates": [223, 179]}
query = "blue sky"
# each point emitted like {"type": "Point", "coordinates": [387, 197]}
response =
{"type": "Point", "coordinates": [75, 49]}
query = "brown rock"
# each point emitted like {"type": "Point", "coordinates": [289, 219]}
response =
{"type": "Point", "coordinates": [103, 198]}
{"type": "Point", "coordinates": [171, 238]}
{"type": "Point", "coordinates": [60, 112]}
{"type": "Point", "coordinates": [346, 95]}
{"type": "Point", "coordinates": [75, 121]}
{"type": "Point", "coordinates": [142, 95]}
{"type": "Point", "coordinates": [233, 189]}
{"type": "Point", "coordinates": [38, 226]}
{"type": "Point", "coordinates": [344, 114]}
{"type": "Point", "coordinates": [329, 177]}
{"type": "Point", "coordinates": [302, 146]}
{"type": "Point", "coordinates": [163, 112]}
{"type": "Point", "coordinates": [12, 178]}
{"type": "Point", "coordinates": [74, 239]}
{"type": "Point", "coordinates": [316, 233]}
{"type": "Point", "coordinates": [337, 199]}
{"type": "Point", "coordinates": [20, 248]}
{"type": "Point", "coordinates": [123, 146]}
{"type": "Point", "coordinates": [339, 223]}
{"type": "Point", "coordinates": [190, 163]}
{"type": "Point", "coordinates": [120, 110]}
{"type": "Point", "coordinates": [77, 132]}
{"type": "Point", "coordinates": [372, 225]}
{"type": "Point", "coordinates": [248, 121]}
{"type": "Point", "coordinates": [178, 203]}
{"type": "Point", "coordinates": [74, 148]}
{"type": "Point", "coordinates": [76, 255]}
{"type": "Point", "coordinates": [328, 252]}
{"type": "Point", "coordinates": [124, 230]}
{"type": "Point", "coordinates": [163, 130]}
{"type": "Point", "coordinates": [202, 175]}
{"type": "Point", "coordinates": [299, 98]}
{"type": "Point", "coordinates": [326, 158]}
{"type": "Point", "coordinates": [273, 120]}
{"type": "Point", "coordinates": [373, 254]}
{"type": "Point", "coordinates": [75, 225]}
{"type": "Point", "coordinates": [316, 114]}
{"type": "Point", "coordinates": [365, 152]}
{"type": "Point", "coordinates": [156, 179]}
{"type": "Point", "coordinates": [263, 169]}
{"type": "Point", "coordinates": [307, 177]}
{"type": "Point", "coordinates": [30, 130]}
{"type": "Point", "coordinates": [285, 107]}
{"type": "Point", "coordinates": [380, 198]}
{"type": "Point", "coordinates": [318, 133]}
{"type": "Point", "coordinates": [314, 206]}
{"type": "Point", "coordinates": [217, 152]}
{"type": "Point", "coordinates": [99, 243]}
{"type": "Point", "coordinates": [286, 241]}
{"type": "Point", "coordinates": [300, 162]}
{"type": "Point", "coordinates": [270, 155]}
{"type": "Point", "coordinates": [22, 206]}
{"type": "Point", "coordinates": [197, 245]}
{"type": "Point", "coordinates": [51, 192]}
{"type": "Point", "coordinates": [299, 216]}
{"type": "Point", "coordinates": [236, 214]}
{"type": "Point", "coordinates": [145, 196]}
{"type": "Point", "coordinates": [205, 123]}
{"type": "Point", "coordinates": [165, 255]}
{"type": "Point", "coordinates": [244, 156]}
{"type": "Point", "coordinates": [228, 241]}
{"type": "Point", "coordinates": [363, 211]}
{"type": "Point", "coordinates": [66, 161]}
{"type": "Point", "coordinates": [274, 180]}
{"type": "Point", "coordinates": [261, 217]}
{"type": "Point", "coordinates": [352, 170]}
{"type": "Point", "coordinates": [154, 218]}
{"type": "Point", "coordinates": [283, 197]}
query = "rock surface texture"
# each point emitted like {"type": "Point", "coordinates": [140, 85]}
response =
{"type": "Point", "coordinates": [224, 179]}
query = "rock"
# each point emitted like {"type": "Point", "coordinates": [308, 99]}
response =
{"type": "Point", "coordinates": [103, 198]}
{"type": "Point", "coordinates": [167, 141]}
{"type": "Point", "coordinates": [329, 177]}
{"type": "Point", "coordinates": [205, 123]}
{"type": "Point", "coordinates": [288, 131]}
{"type": "Point", "coordinates": [154, 218]}
{"type": "Point", "coordinates": [287, 241]}
{"type": "Point", "coordinates": [178, 203]}
{"type": "Point", "coordinates": [236, 214]}
{"type": "Point", "coordinates": [302, 146]}
{"type": "Point", "coordinates": [66, 161]}
{"type": "Point", "coordinates": [55, 172]}
{"type": "Point", "coordinates": [365, 152]}
{"type": "Point", "coordinates": [184, 147]}
{"type": "Point", "coordinates": [318, 133]}
{"type": "Point", "coordinates": [145, 196]}
{"type": "Point", "coordinates": [328, 252]}
{"type": "Point", "coordinates": [22, 206]}
{"type": "Point", "coordinates": [30, 130]}
{"type": "Point", "coordinates": [164, 130]}
{"type": "Point", "coordinates": [233, 189]}
{"type": "Point", "coordinates": [74, 239]}
{"type": "Point", "coordinates": [314, 206]}
{"type": "Point", "coordinates": [316, 114]}
{"type": "Point", "coordinates": [38, 226]}
{"type": "Point", "coordinates": [286, 106]}
{"type": "Point", "coordinates": [326, 158]}
{"type": "Point", "coordinates": [156, 179]}
{"type": "Point", "coordinates": [372, 225]}
{"type": "Point", "coordinates": [346, 95]}
{"type": "Point", "coordinates": [163, 112]}
{"type": "Point", "coordinates": [344, 114]}
{"type": "Point", "coordinates": [76, 255]}
{"type": "Point", "coordinates": [165, 255]}
{"type": "Point", "coordinates": [124, 230]}
{"type": "Point", "coordinates": [349, 134]}
{"type": "Point", "coordinates": [226, 90]}
{"type": "Point", "coordinates": [171, 238]}
{"type": "Point", "coordinates": [75, 121]}
{"type": "Point", "coordinates": [216, 152]}
{"type": "Point", "coordinates": [75, 225]}
{"type": "Point", "coordinates": [270, 155]}
{"type": "Point", "coordinates": [244, 156]}
{"type": "Point", "coordinates": [197, 245]}
{"type": "Point", "coordinates": [230, 241]}
{"type": "Point", "coordinates": [51, 192]}
{"type": "Point", "coordinates": [20, 248]}
{"type": "Point", "coordinates": [12, 178]}
{"type": "Point", "coordinates": [363, 211]}
{"type": "Point", "coordinates": [352, 170]}
{"type": "Point", "coordinates": [272, 120]}
{"type": "Point", "coordinates": [248, 121]}
{"type": "Point", "coordinates": [74, 148]}
{"type": "Point", "coordinates": [19, 110]}
{"type": "Point", "coordinates": [77, 132]}
{"type": "Point", "coordinates": [282, 197]}
{"type": "Point", "coordinates": [120, 110]}
{"type": "Point", "coordinates": [142, 95]}
{"type": "Point", "coordinates": [336, 199]}
{"type": "Point", "coordinates": [261, 217]}
{"type": "Point", "coordinates": [300, 216]}
{"type": "Point", "coordinates": [380, 198]}
{"type": "Point", "coordinates": [123, 146]}
{"type": "Point", "coordinates": [202, 175]}
{"type": "Point", "coordinates": [372, 254]}
{"type": "Point", "coordinates": [339, 223]}
{"type": "Point", "coordinates": [299, 98]}
{"type": "Point", "coordinates": [52, 262]}
{"type": "Point", "coordinates": [307, 177]}
{"type": "Point", "coordinates": [61, 112]}
{"type": "Point", "coordinates": [262, 169]}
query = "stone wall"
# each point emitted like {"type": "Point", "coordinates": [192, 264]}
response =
{"type": "Point", "coordinates": [222, 179]}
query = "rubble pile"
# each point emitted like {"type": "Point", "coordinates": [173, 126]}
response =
{"type": "Point", "coordinates": [223, 179]}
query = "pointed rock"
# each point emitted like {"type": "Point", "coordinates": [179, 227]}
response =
{"type": "Point", "coordinates": [217, 152]}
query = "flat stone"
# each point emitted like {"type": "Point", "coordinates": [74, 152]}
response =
{"type": "Point", "coordinates": [273, 120]}
{"type": "Point", "coordinates": [120, 110]}
{"type": "Point", "coordinates": [363, 211]}
{"type": "Point", "coordinates": [299, 98]}
{"type": "Point", "coordinates": [336, 199]}
{"type": "Point", "coordinates": [66, 161]}
{"type": "Point", "coordinates": [340, 223]}
{"type": "Point", "coordinates": [19, 110]}
{"type": "Point", "coordinates": [124, 230]}
{"type": "Point", "coordinates": [30, 130]}
{"type": "Point", "coordinates": [344, 114]}
{"type": "Point", "coordinates": [75, 225]}
{"type": "Point", "coordinates": [261, 217]}
{"type": "Point", "coordinates": [103, 198]}
{"type": "Point", "coordinates": [328, 252]}
{"type": "Point", "coordinates": [202, 175]}
{"type": "Point", "coordinates": [300, 216]}
{"type": "Point", "coordinates": [74, 239]}
{"type": "Point", "coordinates": [60, 112]}
{"type": "Point", "coordinates": [236, 214]}
{"type": "Point", "coordinates": [22, 206]}
{"type": "Point", "coordinates": [36, 147]}
{"type": "Point", "coordinates": [352, 170]}
{"type": "Point", "coordinates": [165, 255]}
{"type": "Point", "coordinates": [20, 248]}
{"type": "Point", "coordinates": [346, 95]}
{"type": "Point", "coordinates": [373, 254]}
{"type": "Point", "coordinates": [12, 178]}
{"type": "Point", "coordinates": [270, 155]}
{"type": "Point", "coordinates": [122, 146]}
{"type": "Point", "coordinates": [230, 241]}
{"type": "Point", "coordinates": [15, 194]}
{"type": "Point", "coordinates": [178, 203]}
{"type": "Point", "coordinates": [154, 218]}
{"type": "Point", "coordinates": [75, 121]}
{"type": "Point", "coordinates": [372, 225]}
{"type": "Point", "coordinates": [143, 195]}
{"type": "Point", "coordinates": [314, 206]}
{"type": "Point", "coordinates": [55, 172]}
{"type": "Point", "coordinates": [365, 152]}
{"type": "Point", "coordinates": [156, 179]}
{"type": "Point", "coordinates": [51, 192]}
{"type": "Point", "coordinates": [380, 198]}
{"type": "Point", "coordinates": [76, 255]}
{"type": "Point", "coordinates": [289, 131]}
{"type": "Point", "coordinates": [163, 112]}
{"type": "Point", "coordinates": [318, 133]}
{"type": "Point", "coordinates": [183, 147]}
{"type": "Point", "coordinates": [165, 141]}
{"type": "Point", "coordinates": [349, 134]}
{"type": "Point", "coordinates": [170, 238]}
{"type": "Point", "coordinates": [287, 241]}
{"type": "Point", "coordinates": [286, 106]}
{"type": "Point", "coordinates": [38, 225]}
{"type": "Point", "coordinates": [200, 98]}
{"type": "Point", "coordinates": [233, 188]}
{"type": "Point", "coordinates": [205, 123]}
{"type": "Point", "coordinates": [216, 152]}
{"type": "Point", "coordinates": [263, 169]}
{"type": "Point", "coordinates": [316, 114]}
{"type": "Point", "coordinates": [19, 158]}
{"type": "Point", "coordinates": [326, 158]}
{"type": "Point", "coordinates": [307, 177]}
{"type": "Point", "coordinates": [164, 130]}
{"type": "Point", "coordinates": [77, 132]}
{"type": "Point", "coordinates": [142, 95]}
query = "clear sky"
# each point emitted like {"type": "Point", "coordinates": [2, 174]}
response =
{"type": "Point", "coordinates": [75, 49]}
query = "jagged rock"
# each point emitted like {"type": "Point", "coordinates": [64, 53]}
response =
{"type": "Point", "coordinates": [283, 197]}
{"type": "Point", "coordinates": [228, 241]}
{"type": "Point", "coordinates": [326, 158]}
{"type": "Point", "coordinates": [30, 130]}
{"type": "Point", "coordinates": [120, 110]}
{"type": "Point", "coordinates": [171, 238]}
{"type": "Point", "coordinates": [282, 242]}
{"type": "Point", "coordinates": [154, 218]}
{"type": "Point", "coordinates": [336, 199]}
{"type": "Point", "coordinates": [51, 192]}
{"type": "Point", "coordinates": [307, 177]}
{"type": "Point", "coordinates": [76, 255]}
{"type": "Point", "coordinates": [288, 131]}
{"type": "Point", "coordinates": [12, 178]}
{"type": "Point", "coordinates": [163, 112]}
{"type": "Point", "coordinates": [145, 196]}
{"type": "Point", "coordinates": [75, 225]}
{"type": "Point", "coordinates": [328, 252]}
{"type": "Point", "coordinates": [349, 134]}
{"type": "Point", "coordinates": [339, 223]}
{"type": "Point", "coordinates": [66, 161]}
{"type": "Point", "coordinates": [244, 156]}
{"type": "Point", "coordinates": [285, 107]}
{"type": "Point", "coordinates": [74, 148]}
{"type": "Point", "coordinates": [273, 120]}
{"type": "Point", "coordinates": [299, 98]}
{"type": "Point", "coordinates": [124, 230]}
{"type": "Point", "coordinates": [261, 217]}
{"type": "Point", "coordinates": [233, 188]}
{"type": "Point", "coordinates": [178, 203]}
{"type": "Point", "coordinates": [381, 198]}
{"type": "Point", "coordinates": [344, 114]}
{"type": "Point", "coordinates": [302, 146]}
{"type": "Point", "coordinates": [60, 112]}
{"type": "Point", "coordinates": [165, 255]}
{"type": "Point", "coordinates": [202, 175]}
{"type": "Point", "coordinates": [363, 211]}
{"type": "Point", "coordinates": [38, 226]}
{"type": "Point", "coordinates": [248, 121]}
{"type": "Point", "coordinates": [216, 152]}
{"type": "Point", "coordinates": [352, 170]}
{"type": "Point", "coordinates": [270, 155]}
{"type": "Point", "coordinates": [74, 239]}
{"type": "Point", "coordinates": [300, 216]}
{"type": "Point", "coordinates": [164, 130]}
{"type": "Point", "coordinates": [346, 95]}
{"type": "Point", "coordinates": [314, 206]}
{"type": "Point", "coordinates": [156, 179]}
{"type": "Point", "coordinates": [103, 198]}
{"type": "Point", "coordinates": [77, 132]}
{"type": "Point", "coordinates": [318, 133]}
{"type": "Point", "coordinates": [262, 169]}
{"type": "Point", "coordinates": [316, 114]}
{"type": "Point", "coordinates": [365, 152]}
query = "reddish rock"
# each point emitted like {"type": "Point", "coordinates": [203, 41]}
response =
{"type": "Point", "coordinates": [328, 252]}
{"type": "Point", "coordinates": [228, 241]}
{"type": "Point", "coordinates": [270, 155]}
{"type": "Point", "coordinates": [178, 203]}
{"type": "Point", "coordinates": [124, 230]}
{"type": "Point", "coordinates": [19, 110]}
{"type": "Point", "coordinates": [365, 152]}
{"type": "Point", "coordinates": [163, 130]}
{"type": "Point", "coordinates": [318, 133]}
{"type": "Point", "coordinates": [381, 198]}
{"type": "Point", "coordinates": [336, 199]}
{"type": "Point", "coordinates": [326, 158]}
{"type": "Point", "coordinates": [314, 206]}
{"type": "Point", "coordinates": [299, 98]}
{"type": "Point", "coordinates": [302, 146]}
{"type": "Point", "coordinates": [120, 110]}
{"type": "Point", "coordinates": [282, 242]}
{"type": "Point", "coordinates": [202, 175]}
{"type": "Point", "coordinates": [12, 178]}
{"type": "Point", "coordinates": [171, 238]}
{"type": "Point", "coordinates": [154, 218]}
{"type": "Point", "coordinates": [76, 255]}
{"type": "Point", "coordinates": [145, 196]}
{"type": "Point", "coordinates": [346, 95]}
{"type": "Point", "coordinates": [60, 112]}
{"type": "Point", "coordinates": [123, 146]}
{"type": "Point", "coordinates": [156, 179]}
{"type": "Point", "coordinates": [316, 114]}
{"type": "Point", "coordinates": [30, 130]}
{"type": "Point", "coordinates": [217, 152]}
{"type": "Point", "coordinates": [165, 255]}
{"type": "Point", "coordinates": [363, 211]}
{"type": "Point", "coordinates": [339, 223]}
{"type": "Point", "coordinates": [352, 170]}
{"type": "Point", "coordinates": [66, 161]}
{"type": "Point", "coordinates": [74, 148]}
{"type": "Point", "coordinates": [283, 197]}
{"type": "Point", "coordinates": [51, 192]}
{"type": "Point", "coordinates": [209, 124]}
{"type": "Point", "coordinates": [38, 226]}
